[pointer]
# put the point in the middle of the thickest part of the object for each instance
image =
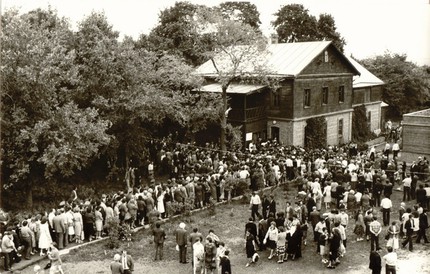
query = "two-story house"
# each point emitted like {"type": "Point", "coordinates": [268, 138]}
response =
{"type": "Point", "coordinates": [316, 80]}
{"type": "Point", "coordinates": [367, 91]}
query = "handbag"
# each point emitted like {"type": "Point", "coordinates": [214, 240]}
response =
{"type": "Point", "coordinates": [47, 266]}
{"type": "Point", "coordinates": [387, 236]}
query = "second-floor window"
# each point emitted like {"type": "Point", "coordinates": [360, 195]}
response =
{"type": "Point", "coordinates": [341, 94]}
{"type": "Point", "coordinates": [325, 95]}
{"type": "Point", "coordinates": [307, 98]}
{"type": "Point", "coordinates": [276, 98]}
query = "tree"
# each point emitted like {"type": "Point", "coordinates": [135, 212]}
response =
{"type": "Point", "coordinates": [44, 135]}
{"type": "Point", "coordinates": [407, 86]}
{"type": "Point", "coordinates": [96, 47]}
{"type": "Point", "coordinates": [360, 129]}
{"type": "Point", "coordinates": [176, 35]}
{"type": "Point", "coordinates": [244, 12]}
{"type": "Point", "coordinates": [238, 54]}
{"type": "Point", "coordinates": [315, 133]}
{"type": "Point", "coordinates": [293, 23]}
{"type": "Point", "coordinates": [327, 31]}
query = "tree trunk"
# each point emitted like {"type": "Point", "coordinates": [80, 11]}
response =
{"type": "Point", "coordinates": [223, 119]}
{"type": "Point", "coordinates": [30, 196]}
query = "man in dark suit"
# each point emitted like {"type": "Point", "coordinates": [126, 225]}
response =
{"type": "Point", "coordinates": [192, 239]}
{"type": "Point", "coordinates": [60, 228]}
{"type": "Point", "coordinates": [251, 227]}
{"type": "Point", "coordinates": [127, 263]}
{"type": "Point", "coordinates": [181, 240]}
{"type": "Point", "coordinates": [409, 226]}
{"type": "Point", "coordinates": [375, 262]}
{"type": "Point", "coordinates": [159, 237]}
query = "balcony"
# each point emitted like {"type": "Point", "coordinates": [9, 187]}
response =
{"type": "Point", "coordinates": [249, 114]}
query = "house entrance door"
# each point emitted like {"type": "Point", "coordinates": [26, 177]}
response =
{"type": "Point", "coordinates": [275, 133]}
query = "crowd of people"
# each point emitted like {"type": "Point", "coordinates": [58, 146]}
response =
{"type": "Point", "coordinates": [336, 185]}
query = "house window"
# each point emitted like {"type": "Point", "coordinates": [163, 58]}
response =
{"type": "Point", "coordinates": [369, 120]}
{"type": "Point", "coordinates": [325, 56]}
{"type": "Point", "coordinates": [341, 94]}
{"type": "Point", "coordinates": [324, 95]}
{"type": "Point", "coordinates": [307, 98]}
{"type": "Point", "coordinates": [276, 98]}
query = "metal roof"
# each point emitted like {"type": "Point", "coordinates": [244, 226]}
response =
{"type": "Point", "coordinates": [284, 59]}
{"type": "Point", "coordinates": [366, 78]}
{"type": "Point", "coordinates": [232, 88]}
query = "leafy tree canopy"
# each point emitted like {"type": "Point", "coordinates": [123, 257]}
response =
{"type": "Point", "coordinates": [43, 132]}
{"type": "Point", "coordinates": [244, 12]}
{"type": "Point", "coordinates": [407, 86]}
{"type": "Point", "coordinates": [294, 23]}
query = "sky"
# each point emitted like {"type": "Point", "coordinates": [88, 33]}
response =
{"type": "Point", "coordinates": [370, 27]}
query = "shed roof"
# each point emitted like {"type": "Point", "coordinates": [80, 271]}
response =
{"type": "Point", "coordinates": [283, 59]}
{"type": "Point", "coordinates": [366, 78]}
{"type": "Point", "coordinates": [232, 88]}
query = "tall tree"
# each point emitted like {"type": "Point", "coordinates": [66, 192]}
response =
{"type": "Point", "coordinates": [244, 12]}
{"type": "Point", "coordinates": [293, 23]}
{"type": "Point", "coordinates": [407, 86]}
{"type": "Point", "coordinates": [42, 137]}
{"type": "Point", "coordinates": [238, 53]}
{"type": "Point", "coordinates": [96, 47]}
{"type": "Point", "coordinates": [327, 31]}
{"type": "Point", "coordinates": [176, 34]}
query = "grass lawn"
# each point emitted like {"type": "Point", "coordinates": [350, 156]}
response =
{"type": "Point", "coordinates": [228, 223]}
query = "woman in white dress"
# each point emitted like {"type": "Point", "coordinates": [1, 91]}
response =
{"type": "Point", "coordinates": [45, 239]}
{"type": "Point", "coordinates": [160, 203]}
{"type": "Point", "coordinates": [70, 225]}
{"type": "Point", "coordinates": [327, 195]}
{"type": "Point", "coordinates": [393, 236]}
{"type": "Point", "coordinates": [78, 224]}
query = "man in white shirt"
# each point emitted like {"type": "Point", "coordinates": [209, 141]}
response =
{"type": "Point", "coordinates": [375, 229]}
{"type": "Point", "coordinates": [386, 206]}
{"type": "Point", "coordinates": [427, 189]}
{"type": "Point", "coordinates": [255, 203]}
{"type": "Point", "coordinates": [407, 187]}
{"type": "Point", "coordinates": [198, 256]}
{"type": "Point", "coordinates": [396, 149]}
{"type": "Point", "coordinates": [390, 261]}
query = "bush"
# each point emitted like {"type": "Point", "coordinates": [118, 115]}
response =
{"type": "Point", "coordinates": [360, 129]}
{"type": "Point", "coordinates": [316, 133]}
{"type": "Point", "coordinates": [113, 228]}
{"type": "Point", "coordinates": [241, 187]}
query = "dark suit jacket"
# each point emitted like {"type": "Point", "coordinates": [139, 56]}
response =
{"type": "Point", "coordinates": [58, 223]}
{"type": "Point", "coordinates": [409, 227]}
{"type": "Point", "coordinates": [159, 235]}
{"type": "Point", "coordinates": [375, 261]}
{"type": "Point", "coordinates": [194, 236]}
{"type": "Point", "coordinates": [116, 268]}
{"type": "Point", "coordinates": [181, 236]}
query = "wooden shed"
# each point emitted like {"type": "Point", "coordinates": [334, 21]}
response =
{"type": "Point", "coordinates": [416, 132]}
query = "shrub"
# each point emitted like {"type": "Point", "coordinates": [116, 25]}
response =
{"type": "Point", "coordinates": [316, 133]}
{"type": "Point", "coordinates": [360, 129]}
{"type": "Point", "coordinates": [113, 228]}
{"type": "Point", "coordinates": [241, 187]}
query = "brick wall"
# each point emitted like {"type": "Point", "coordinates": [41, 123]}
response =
{"type": "Point", "coordinates": [285, 131]}
{"type": "Point", "coordinates": [375, 115]}
{"type": "Point", "coordinates": [333, 127]}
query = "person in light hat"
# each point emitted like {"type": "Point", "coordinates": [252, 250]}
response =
{"type": "Point", "coordinates": [115, 265]}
